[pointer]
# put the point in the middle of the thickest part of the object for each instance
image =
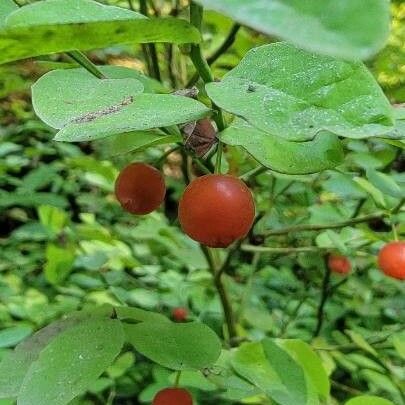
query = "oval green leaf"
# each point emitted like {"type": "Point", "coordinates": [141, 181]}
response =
{"type": "Point", "coordinates": [65, 25]}
{"type": "Point", "coordinates": [145, 111]}
{"type": "Point", "coordinates": [62, 95]}
{"type": "Point", "coordinates": [324, 152]}
{"type": "Point", "coordinates": [15, 364]}
{"type": "Point", "coordinates": [336, 28]}
{"type": "Point", "coordinates": [310, 362]}
{"type": "Point", "coordinates": [274, 371]}
{"type": "Point", "coordinates": [71, 362]}
{"type": "Point", "coordinates": [174, 345]}
{"type": "Point", "coordinates": [295, 94]}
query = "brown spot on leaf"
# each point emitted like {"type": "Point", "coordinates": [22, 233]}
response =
{"type": "Point", "coordinates": [91, 116]}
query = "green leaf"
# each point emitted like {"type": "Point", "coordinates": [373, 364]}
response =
{"type": "Point", "coordinates": [7, 7]}
{"type": "Point", "coordinates": [368, 400]}
{"type": "Point", "coordinates": [310, 362]}
{"type": "Point", "coordinates": [60, 96]}
{"type": "Point", "coordinates": [11, 336]}
{"type": "Point", "coordinates": [398, 341]}
{"type": "Point", "coordinates": [31, 199]}
{"type": "Point", "coordinates": [290, 373]}
{"type": "Point", "coordinates": [134, 141]}
{"type": "Point", "coordinates": [59, 263]}
{"type": "Point", "coordinates": [295, 94]}
{"type": "Point", "coordinates": [71, 362]}
{"type": "Point", "coordinates": [64, 25]}
{"type": "Point", "coordinates": [174, 345]}
{"type": "Point", "coordinates": [385, 183]}
{"type": "Point", "coordinates": [138, 315]}
{"type": "Point", "coordinates": [145, 111]}
{"type": "Point", "coordinates": [374, 192]}
{"type": "Point", "coordinates": [337, 28]}
{"type": "Point", "coordinates": [121, 365]}
{"type": "Point", "coordinates": [324, 152]}
{"type": "Point", "coordinates": [15, 364]}
{"type": "Point", "coordinates": [273, 370]}
{"type": "Point", "coordinates": [361, 342]}
{"type": "Point", "coordinates": [52, 218]}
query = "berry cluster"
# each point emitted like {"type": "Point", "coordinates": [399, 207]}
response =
{"type": "Point", "coordinates": [216, 210]}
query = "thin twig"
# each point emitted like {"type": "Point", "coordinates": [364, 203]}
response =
{"type": "Point", "coordinates": [223, 295]}
{"type": "Point", "coordinates": [324, 297]}
{"type": "Point", "coordinates": [150, 49]}
{"type": "Point", "coordinates": [309, 227]}
{"type": "Point", "coordinates": [285, 250]}
{"type": "Point", "coordinates": [228, 42]}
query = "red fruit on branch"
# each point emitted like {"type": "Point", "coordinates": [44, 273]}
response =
{"type": "Point", "coordinates": [180, 314]}
{"type": "Point", "coordinates": [339, 264]}
{"type": "Point", "coordinates": [216, 210]}
{"type": "Point", "coordinates": [391, 260]}
{"type": "Point", "coordinates": [140, 188]}
{"type": "Point", "coordinates": [173, 396]}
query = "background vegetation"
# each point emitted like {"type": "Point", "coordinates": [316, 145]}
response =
{"type": "Point", "coordinates": [66, 244]}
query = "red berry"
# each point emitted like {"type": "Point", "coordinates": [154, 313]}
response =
{"type": "Point", "coordinates": [216, 210]}
{"type": "Point", "coordinates": [339, 264]}
{"type": "Point", "coordinates": [140, 188]}
{"type": "Point", "coordinates": [173, 396]}
{"type": "Point", "coordinates": [180, 314]}
{"type": "Point", "coordinates": [391, 260]}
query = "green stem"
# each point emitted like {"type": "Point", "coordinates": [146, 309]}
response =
{"type": "Point", "coordinates": [228, 42]}
{"type": "Point", "coordinates": [164, 156]}
{"type": "Point", "coordinates": [219, 158]}
{"type": "Point", "coordinates": [223, 295]}
{"type": "Point", "coordinates": [150, 49]}
{"type": "Point", "coordinates": [177, 380]}
{"type": "Point", "coordinates": [394, 230]}
{"type": "Point", "coordinates": [398, 207]}
{"type": "Point", "coordinates": [200, 63]}
{"type": "Point", "coordinates": [84, 61]}
{"type": "Point", "coordinates": [253, 173]}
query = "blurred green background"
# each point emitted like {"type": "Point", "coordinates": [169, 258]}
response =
{"type": "Point", "coordinates": [66, 244]}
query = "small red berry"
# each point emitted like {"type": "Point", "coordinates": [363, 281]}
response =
{"type": "Point", "coordinates": [173, 396]}
{"type": "Point", "coordinates": [391, 260]}
{"type": "Point", "coordinates": [339, 264]}
{"type": "Point", "coordinates": [140, 188]}
{"type": "Point", "coordinates": [180, 314]}
{"type": "Point", "coordinates": [216, 210]}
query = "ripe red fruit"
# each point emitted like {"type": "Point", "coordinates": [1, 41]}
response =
{"type": "Point", "coordinates": [173, 396]}
{"type": "Point", "coordinates": [179, 314]}
{"type": "Point", "coordinates": [339, 264]}
{"type": "Point", "coordinates": [391, 260]}
{"type": "Point", "coordinates": [216, 210]}
{"type": "Point", "coordinates": [140, 188]}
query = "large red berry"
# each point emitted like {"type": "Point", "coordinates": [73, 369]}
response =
{"type": "Point", "coordinates": [216, 210]}
{"type": "Point", "coordinates": [173, 396]}
{"type": "Point", "coordinates": [140, 188]}
{"type": "Point", "coordinates": [180, 314]}
{"type": "Point", "coordinates": [339, 264]}
{"type": "Point", "coordinates": [391, 260]}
